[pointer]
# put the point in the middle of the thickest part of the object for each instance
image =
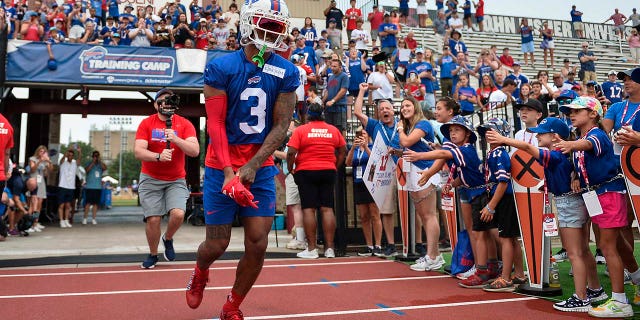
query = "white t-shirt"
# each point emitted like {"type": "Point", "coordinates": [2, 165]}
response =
{"type": "Point", "coordinates": [455, 23]}
{"type": "Point", "coordinates": [67, 178]}
{"type": "Point", "coordinates": [303, 80]}
{"type": "Point", "coordinates": [564, 86]}
{"type": "Point", "coordinates": [497, 96]}
{"type": "Point", "coordinates": [385, 91]}
{"type": "Point", "coordinates": [360, 36]}
{"type": "Point", "coordinates": [234, 18]}
{"type": "Point", "coordinates": [526, 136]}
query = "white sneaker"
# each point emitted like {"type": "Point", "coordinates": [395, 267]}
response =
{"type": "Point", "coordinates": [38, 227]}
{"type": "Point", "coordinates": [465, 275]}
{"type": "Point", "coordinates": [420, 265]}
{"type": "Point", "coordinates": [94, 221]}
{"type": "Point", "coordinates": [612, 309]}
{"type": "Point", "coordinates": [62, 224]}
{"type": "Point", "coordinates": [84, 221]}
{"type": "Point", "coordinates": [435, 264]}
{"type": "Point", "coordinates": [69, 225]}
{"type": "Point", "coordinates": [329, 253]}
{"type": "Point", "coordinates": [295, 244]}
{"type": "Point", "coordinates": [306, 254]}
{"type": "Point", "coordinates": [31, 230]}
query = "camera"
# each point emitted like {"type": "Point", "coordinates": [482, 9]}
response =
{"type": "Point", "coordinates": [169, 104]}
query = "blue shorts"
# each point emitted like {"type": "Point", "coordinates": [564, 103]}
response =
{"type": "Point", "coordinates": [65, 195]}
{"type": "Point", "coordinates": [220, 209]}
{"type": "Point", "coordinates": [479, 19]}
{"type": "Point", "coordinates": [528, 47]}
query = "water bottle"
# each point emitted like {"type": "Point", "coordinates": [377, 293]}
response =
{"type": "Point", "coordinates": [554, 275]}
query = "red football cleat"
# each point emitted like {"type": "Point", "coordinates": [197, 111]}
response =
{"type": "Point", "coordinates": [231, 315]}
{"type": "Point", "coordinates": [195, 287]}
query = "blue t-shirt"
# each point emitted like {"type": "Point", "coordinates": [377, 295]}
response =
{"type": "Point", "coordinates": [498, 169]}
{"type": "Point", "coordinates": [636, 124]}
{"type": "Point", "coordinates": [484, 69]}
{"type": "Point", "coordinates": [390, 39]}
{"type": "Point", "coordinates": [388, 134]}
{"type": "Point", "coordinates": [251, 92]}
{"type": "Point", "coordinates": [446, 66]}
{"type": "Point", "coordinates": [422, 145]}
{"type": "Point", "coordinates": [335, 83]}
{"type": "Point", "coordinates": [470, 93]}
{"type": "Point", "coordinates": [97, 4]}
{"type": "Point", "coordinates": [616, 110]}
{"type": "Point", "coordinates": [526, 34]}
{"type": "Point", "coordinates": [310, 34]}
{"type": "Point", "coordinates": [371, 65]}
{"type": "Point", "coordinates": [105, 29]}
{"type": "Point", "coordinates": [575, 17]}
{"type": "Point", "coordinates": [94, 177]}
{"type": "Point", "coordinates": [467, 7]}
{"type": "Point", "coordinates": [557, 170]}
{"type": "Point", "coordinates": [11, 13]}
{"type": "Point", "coordinates": [519, 80]}
{"type": "Point", "coordinates": [600, 162]}
{"type": "Point", "coordinates": [404, 4]}
{"type": "Point", "coordinates": [589, 65]}
{"type": "Point", "coordinates": [468, 167]}
{"type": "Point", "coordinates": [457, 46]}
{"type": "Point", "coordinates": [612, 91]}
{"type": "Point", "coordinates": [356, 74]}
{"type": "Point", "coordinates": [360, 159]}
{"type": "Point", "coordinates": [419, 67]}
{"type": "Point", "coordinates": [439, 4]}
{"type": "Point", "coordinates": [310, 55]}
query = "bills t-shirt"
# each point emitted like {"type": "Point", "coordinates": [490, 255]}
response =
{"type": "Point", "coordinates": [151, 130]}
{"type": "Point", "coordinates": [557, 170]}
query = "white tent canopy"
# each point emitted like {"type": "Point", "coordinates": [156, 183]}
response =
{"type": "Point", "coordinates": [110, 179]}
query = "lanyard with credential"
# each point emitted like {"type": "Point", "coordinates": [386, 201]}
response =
{"type": "Point", "coordinates": [384, 131]}
{"type": "Point", "coordinates": [624, 114]}
{"type": "Point", "coordinates": [580, 156]}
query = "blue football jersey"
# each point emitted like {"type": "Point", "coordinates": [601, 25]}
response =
{"type": "Point", "coordinates": [251, 92]}
{"type": "Point", "coordinates": [557, 170]}
{"type": "Point", "coordinates": [600, 163]}
{"type": "Point", "coordinates": [468, 167]}
{"type": "Point", "coordinates": [498, 169]}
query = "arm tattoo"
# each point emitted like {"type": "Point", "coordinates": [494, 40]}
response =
{"type": "Point", "coordinates": [282, 113]}
{"type": "Point", "coordinates": [222, 231]}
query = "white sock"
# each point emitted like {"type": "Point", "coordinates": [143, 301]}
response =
{"type": "Point", "coordinates": [635, 277]}
{"type": "Point", "coordinates": [620, 297]}
{"type": "Point", "coordinates": [300, 234]}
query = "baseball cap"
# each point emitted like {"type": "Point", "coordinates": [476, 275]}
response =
{"type": "Point", "coordinates": [419, 50]}
{"type": "Point", "coordinates": [568, 94]}
{"type": "Point", "coordinates": [352, 41]}
{"type": "Point", "coordinates": [300, 37]}
{"type": "Point", "coordinates": [53, 29]}
{"type": "Point", "coordinates": [552, 125]}
{"type": "Point", "coordinates": [565, 60]}
{"type": "Point", "coordinates": [322, 39]}
{"type": "Point", "coordinates": [295, 58]}
{"type": "Point", "coordinates": [583, 103]}
{"type": "Point", "coordinates": [130, 6]}
{"type": "Point", "coordinates": [531, 103]}
{"type": "Point", "coordinates": [203, 20]}
{"type": "Point", "coordinates": [496, 124]}
{"type": "Point", "coordinates": [635, 75]}
{"type": "Point", "coordinates": [591, 83]}
{"type": "Point", "coordinates": [332, 19]}
{"type": "Point", "coordinates": [517, 63]}
{"type": "Point", "coordinates": [54, 5]}
{"type": "Point", "coordinates": [612, 72]}
{"type": "Point", "coordinates": [163, 91]}
{"type": "Point", "coordinates": [628, 72]}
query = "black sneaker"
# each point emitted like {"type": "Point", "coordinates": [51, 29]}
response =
{"type": "Point", "coordinates": [389, 251]}
{"type": "Point", "coordinates": [421, 249]}
{"type": "Point", "coordinates": [366, 252]}
{"type": "Point", "coordinates": [149, 262]}
{"type": "Point", "coordinates": [596, 295]}
{"type": "Point", "coordinates": [599, 257]}
{"type": "Point", "coordinates": [573, 304]}
{"type": "Point", "coordinates": [444, 245]}
{"type": "Point", "coordinates": [377, 251]}
{"type": "Point", "coordinates": [169, 253]}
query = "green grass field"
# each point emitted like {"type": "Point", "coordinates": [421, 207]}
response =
{"type": "Point", "coordinates": [566, 281]}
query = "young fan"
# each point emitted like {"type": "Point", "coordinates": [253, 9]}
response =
{"type": "Point", "coordinates": [599, 171]}
{"type": "Point", "coordinates": [572, 212]}
{"type": "Point", "coordinates": [462, 157]}
{"type": "Point", "coordinates": [501, 207]}
{"type": "Point", "coordinates": [530, 113]}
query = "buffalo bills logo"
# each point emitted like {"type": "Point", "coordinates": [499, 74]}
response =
{"type": "Point", "coordinates": [254, 80]}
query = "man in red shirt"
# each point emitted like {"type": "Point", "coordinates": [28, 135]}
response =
{"type": "Point", "coordinates": [6, 143]}
{"type": "Point", "coordinates": [375, 17]}
{"type": "Point", "coordinates": [317, 149]}
{"type": "Point", "coordinates": [162, 141]}
{"type": "Point", "coordinates": [619, 20]}
{"type": "Point", "coordinates": [506, 59]}
{"type": "Point", "coordinates": [352, 15]}
{"type": "Point", "coordinates": [480, 14]}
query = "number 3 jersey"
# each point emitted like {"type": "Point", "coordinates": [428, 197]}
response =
{"type": "Point", "coordinates": [251, 96]}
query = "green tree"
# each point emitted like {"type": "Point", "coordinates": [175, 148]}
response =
{"type": "Point", "coordinates": [130, 168]}
{"type": "Point", "coordinates": [84, 147]}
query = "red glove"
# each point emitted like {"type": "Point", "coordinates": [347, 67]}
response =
{"type": "Point", "coordinates": [239, 193]}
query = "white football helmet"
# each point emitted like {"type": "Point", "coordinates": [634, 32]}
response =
{"type": "Point", "coordinates": [265, 23]}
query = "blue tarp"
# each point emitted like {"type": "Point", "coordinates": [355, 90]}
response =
{"type": "Point", "coordinates": [104, 65]}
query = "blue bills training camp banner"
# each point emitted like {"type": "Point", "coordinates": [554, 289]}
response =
{"type": "Point", "coordinates": [108, 65]}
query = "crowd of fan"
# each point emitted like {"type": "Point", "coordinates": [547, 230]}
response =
{"type": "Point", "coordinates": [100, 22]}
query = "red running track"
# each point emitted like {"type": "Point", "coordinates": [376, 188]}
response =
{"type": "Point", "coordinates": [345, 288]}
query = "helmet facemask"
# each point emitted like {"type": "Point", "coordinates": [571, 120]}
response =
{"type": "Point", "coordinates": [265, 28]}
